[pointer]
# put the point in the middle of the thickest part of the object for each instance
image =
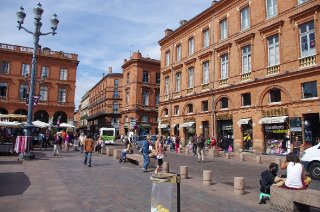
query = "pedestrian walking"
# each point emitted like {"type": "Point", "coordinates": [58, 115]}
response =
{"type": "Point", "coordinates": [41, 139]}
{"type": "Point", "coordinates": [56, 144]}
{"type": "Point", "coordinates": [160, 154]}
{"type": "Point", "coordinates": [194, 144]}
{"type": "Point", "coordinates": [88, 148]}
{"type": "Point", "coordinates": [296, 146]}
{"type": "Point", "coordinates": [82, 137]}
{"type": "Point", "coordinates": [177, 144]}
{"type": "Point", "coordinates": [200, 148]}
{"type": "Point", "coordinates": [145, 153]}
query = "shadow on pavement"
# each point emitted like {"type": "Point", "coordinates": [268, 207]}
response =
{"type": "Point", "coordinates": [13, 183]}
{"type": "Point", "coordinates": [10, 162]}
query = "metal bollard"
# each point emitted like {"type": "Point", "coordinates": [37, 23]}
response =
{"type": "Point", "coordinates": [184, 172]}
{"type": "Point", "coordinates": [216, 153]}
{"type": "Point", "coordinates": [165, 167]}
{"type": "Point", "coordinates": [207, 176]}
{"type": "Point", "coordinates": [227, 155]}
{"type": "Point", "coordinates": [242, 157]}
{"type": "Point", "coordinates": [117, 153]}
{"type": "Point", "coordinates": [110, 151]}
{"type": "Point", "coordinates": [239, 185]}
{"type": "Point", "coordinates": [258, 159]}
{"type": "Point", "coordinates": [103, 151]}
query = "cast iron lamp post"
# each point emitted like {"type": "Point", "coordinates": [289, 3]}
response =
{"type": "Point", "coordinates": [36, 35]}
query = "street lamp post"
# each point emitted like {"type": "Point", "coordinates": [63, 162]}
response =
{"type": "Point", "coordinates": [36, 36]}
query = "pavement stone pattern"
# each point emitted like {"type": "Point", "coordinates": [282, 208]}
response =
{"type": "Point", "coordinates": [64, 183]}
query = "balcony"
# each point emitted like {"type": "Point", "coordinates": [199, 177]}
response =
{"type": "Point", "coordinates": [307, 61]}
{"type": "Point", "coordinates": [44, 102]}
{"type": "Point", "coordinates": [273, 70]}
{"type": "Point", "coordinates": [3, 98]}
{"type": "Point", "coordinates": [223, 82]}
{"type": "Point", "coordinates": [189, 90]}
{"type": "Point", "coordinates": [245, 76]}
{"type": "Point", "coordinates": [166, 97]}
{"type": "Point", "coordinates": [205, 86]}
{"type": "Point", "coordinates": [61, 103]}
{"type": "Point", "coordinates": [176, 94]}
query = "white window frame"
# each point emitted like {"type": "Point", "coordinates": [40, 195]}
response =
{"type": "Point", "coordinates": [176, 110]}
{"type": "Point", "coordinates": [5, 85]}
{"type": "Point", "coordinates": [188, 108]}
{"type": "Point", "coordinates": [62, 95]}
{"type": "Point", "coordinates": [43, 93]}
{"type": "Point", "coordinates": [145, 98]}
{"type": "Point", "coordinates": [245, 18]}
{"type": "Point", "coordinates": [157, 98]}
{"type": "Point", "coordinates": [178, 49]}
{"type": "Point", "coordinates": [5, 67]}
{"type": "Point", "coordinates": [205, 72]}
{"type": "Point", "coordinates": [145, 77]}
{"type": "Point", "coordinates": [23, 91]}
{"type": "Point", "coordinates": [206, 38]}
{"type": "Point", "coordinates": [302, 1]}
{"type": "Point", "coordinates": [144, 119]}
{"type": "Point", "coordinates": [308, 33]}
{"type": "Point", "coordinates": [178, 82]}
{"type": "Point", "coordinates": [25, 69]}
{"type": "Point", "coordinates": [191, 77]}
{"type": "Point", "coordinates": [191, 46]}
{"type": "Point", "coordinates": [223, 29]}
{"type": "Point", "coordinates": [246, 59]}
{"type": "Point", "coordinates": [167, 59]}
{"type": "Point", "coordinates": [63, 74]}
{"type": "Point", "coordinates": [303, 88]}
{"type": "Point", "coordinates": [45, 72]}
{"type": "Point", "coordinates": [271, 8]}
{"type": "Point", "coordinates": [166, 87]}
{"type": "Point", "coordinates": [273, 50]}
{"type": "Point", "coordinates": [224, 66]}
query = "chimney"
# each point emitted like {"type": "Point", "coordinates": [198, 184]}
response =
{"type": "Point", "coordinates": [182, 22]}
{"type": "Point", "coordinates": [214, 2]}
{"type": "Point", "coordinates": [136, 55]}
{"type": "Point", "coordinates": [167, 32]}
{"type": "Point", "coordinates": [125, 61]}
{"type": "Point", "coordinates": [110, 70]}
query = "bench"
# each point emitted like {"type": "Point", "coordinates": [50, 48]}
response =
{"type": "Point", "coordinates": [283, 199]}
{"type": "Point", "coordinates": [138, 160]}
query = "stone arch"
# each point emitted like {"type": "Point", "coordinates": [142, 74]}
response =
{"type": "Point", "coordinates": [42, 115]}
{"type": "Point", "coordinates": [163, 110]}
{"type": "Point", "coordinates": [21, 111]}
{"type": "Point", "coordinates": [61, 116]}
{"type": "Point", "coordinates": [3, 111]}
{"type": "Point", "coordinates": [230, 103]}
{"type": "Point", "coordinates": [267, 89]}
{"type": "Point", "coordinates": [184, 112]}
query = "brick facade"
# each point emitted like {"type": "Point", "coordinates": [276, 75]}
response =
{"type": "Point", "coordinates": [239, 98]}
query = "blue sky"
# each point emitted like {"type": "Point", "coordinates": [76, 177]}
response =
{"type": "Point", "coordinates": [101, 32]}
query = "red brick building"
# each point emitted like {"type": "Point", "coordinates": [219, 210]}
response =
{"type": "Point", "coordinates": [244, 71]}
{"type": "Point", "coordinates": [141, 82]}
{"type": "Point", "coordinates": [105, 100]}
{"type": "Point", "coordinates": [56, 91]}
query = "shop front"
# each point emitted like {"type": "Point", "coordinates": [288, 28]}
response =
{"type": "Point", "coordinates": [189, 130]}
{"type": "Point", "coordinates": [175, 128]}
{"type": "Point", "coordinates": [311, 128]}
{"type": "Point", "coordinates": [245, 125]}
{"type": "Point", "coordinates": [275, 131]}
{"type": "Point", "coordinates": [225, 130]}
{"type": "Point", "coordinates": [165, 129]}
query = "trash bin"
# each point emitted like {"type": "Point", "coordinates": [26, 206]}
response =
{"type": "Point", "coordinates": [162, 186]}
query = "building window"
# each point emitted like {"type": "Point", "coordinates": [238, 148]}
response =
{"type": "Point", "coordinates": [3, 90]}
{"type": "Point", "coordinates": [165, 112]}
{"type": "Point", "coordinates": [158, 78]}
{"type": "Point", "coordinates": [127, 97]}
{"type": "Point", "coordinates": [191, 46]}
{"type": "Point", "coordinates": [62, 94]}
{"type": "Point", "coordinates": [166, 87]}
{"type": "Point", "coordinates": [25, 69]}
{"type": "Point", "coordinates": [144, 119]}
{"type": "Point", "coordinates": [273, 51]}
{"type": "Point", "coordinates": [128, 78]}
{"type": "Point", "coordinates": [167, 58]}
{"type": "Point", "coordinates": [224, 66]}
{"type": "Point", "coordinates": [302, 1]}
{"type": "Point", "coordinates": [43, 93]}
{"type": "Point", "coordinates": [190, 77]}
{"type": "Point", "coordinates": [115, 107]}
{"type": "Point", "coordinates": [176, 110]}
{"type": "Point", "coordinates": [223, 29]}
{"type": "Point", "coordinates": [115, 93]}
{"type": "Point", "coordinates": [145, 77]}
{"type": "Point", "coordinates": [272, 9]}
{"type": "Point", "coordinates": [246, 99]}
{"type": "Point", "coordinates": [157, 98]}
{"type": "Point", "coordinates": [275, 95]}
{"type": "Point", "coordinates": [178, 48]}
{"type": "Point", "coordinates": [23, 91]}
{"type": "Point", "coordinates": [145, 98]}
{"type": "Point", "coordinates": [245, 18]}
{"type": "Point", "coordinates": [116, 83]}
{"type": "Point", "coordinates": [190, 108]}
{"type": "Point", "coordinates": [205, 106]}
{"type": "Point", "coordinates": [63, 74]}
{"type": "Point", "coordinates": [205, 72]}
{"type": "Point", "coordinates": [246, 59]}
{"type": "Point", "coordinates": [178, 82]}
{"type": "Point", "coordinates": [4, 67]}
{"type": "Point", "coordinates": [206, 38]}
{"type": "Point", "coordinates": [307, 39]}
{"type": "Point", "coordinates": [224, 103]}
{"type": "Point", "coordinates": [44, 72]}
{"type": "Point", "coordinates": [309, 89]}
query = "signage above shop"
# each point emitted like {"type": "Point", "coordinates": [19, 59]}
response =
{"type": "Point", "coordinates": [226, 116]}
{"type": "Point", "coordinates": [273, 120]}
{"type": "Point", "coordinates": [283, 111]}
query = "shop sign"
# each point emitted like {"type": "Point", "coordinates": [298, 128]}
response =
{"type": "Point", "coordinates": [275, 112]}
{"type": "Point", "coordinates": [277, 129]}
{"type": "Point", "coordinates": [226, 116]}
{"type": "Point", "coordinates": [189, 120]}
{"type": "Point", "coordinates": [295, 124]}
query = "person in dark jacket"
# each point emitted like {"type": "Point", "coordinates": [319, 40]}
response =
{"type": "Point", "coordinates": [145, 153]}
{"type": "Point", "coordinates": [266, 181]}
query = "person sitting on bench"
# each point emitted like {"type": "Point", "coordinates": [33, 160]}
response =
{"type": "Point", "coordinates": [266, 181]}
{"type": "Point", "coordinates": [127, 150]}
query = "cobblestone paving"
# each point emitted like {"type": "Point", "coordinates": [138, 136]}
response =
{"type": "Point", "coordinates": [65, 184]}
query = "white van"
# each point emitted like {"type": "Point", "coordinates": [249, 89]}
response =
{"type": "Point", "coordinates": [311, 161]}
{"type": "Point", "coordinates": [108, 135]}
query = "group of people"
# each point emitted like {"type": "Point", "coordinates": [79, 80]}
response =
{"type": "Point", "coordinates": [63, 137]}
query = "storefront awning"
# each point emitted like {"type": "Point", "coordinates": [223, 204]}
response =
{"type": "Point", "coordinates": [162, 126]}
{"type": "Point", "coordinates": [243, 121]}
{"type": "Point", "coordinates": [273, 120]}
{"type": "Point", "coordinates": [174, 125]}
{"type": "Point", "coordinates": [187, 124]}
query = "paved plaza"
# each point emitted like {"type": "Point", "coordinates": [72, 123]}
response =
{"type": "Point", "coordinates": [64, 183]}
